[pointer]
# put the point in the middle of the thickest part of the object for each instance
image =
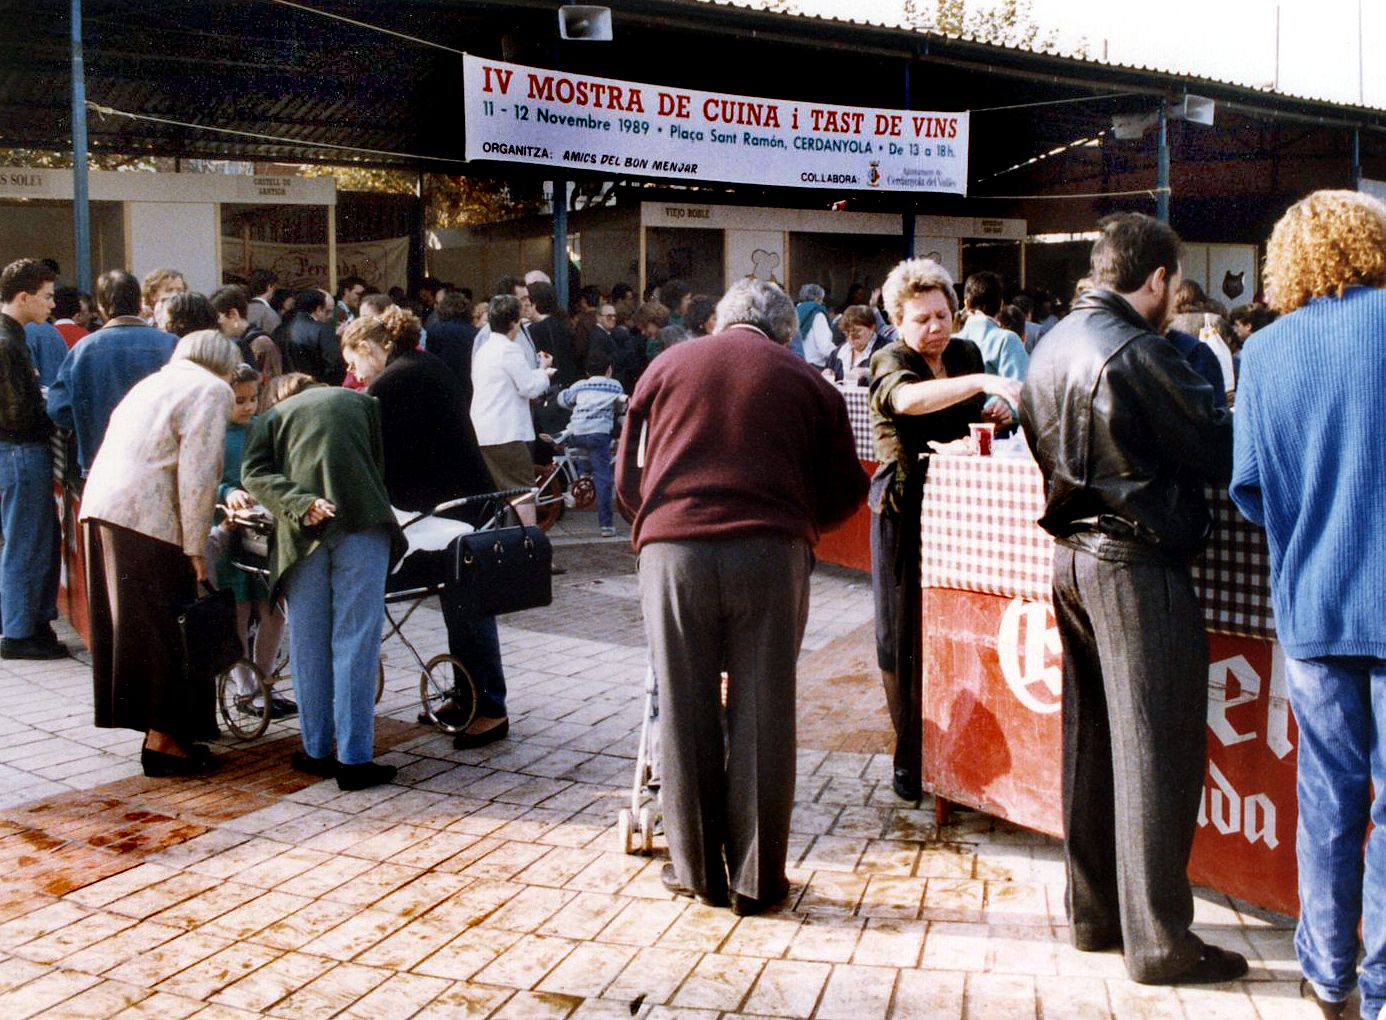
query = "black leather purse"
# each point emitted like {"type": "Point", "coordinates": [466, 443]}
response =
{"type": "Point", "coordinates": [503, 571]}
{"type": "Point", "coordinates": [208, 628]}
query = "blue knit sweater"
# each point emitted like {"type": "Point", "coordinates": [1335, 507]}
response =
{"type": "Point", "coordinates": [1307, 466]}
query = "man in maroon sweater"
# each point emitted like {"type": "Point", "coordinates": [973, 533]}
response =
{"type": "Point", "coordinates": [735, 456]}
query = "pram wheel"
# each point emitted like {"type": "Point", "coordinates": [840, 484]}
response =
{"type": "Point", "coordinates": [646, 830]}
{"type": "Point", "coordinates": [380, 680]}
{"type": "Point", "coordinates": [550, 500]}
{"type": "Point", "coordinates": [584, 493]}
{"type": "Point", "coordinates": [243, 716]}
{"type": "Point", "coordinates": [625, 829]}
{"type": "Point", "coordinates": [447, 693]}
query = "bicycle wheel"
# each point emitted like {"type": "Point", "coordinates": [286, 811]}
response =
{"type": "Point", "coordinates": [548, 504]}
{"type": "Point", "coordinates": [448, 694]}
{"type": "Point", "coordinates": [584, 492]}
{"type": "Point", "coordinates": [243, 717]}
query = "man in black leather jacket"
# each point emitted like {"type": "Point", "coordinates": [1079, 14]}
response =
{"type": "Point", "coordinates": [1126, 433]}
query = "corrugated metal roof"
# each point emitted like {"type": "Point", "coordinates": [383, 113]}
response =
{"type": "Point", "coordinates": [1191, 77]}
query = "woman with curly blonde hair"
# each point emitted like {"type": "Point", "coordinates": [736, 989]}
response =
{"type": "Point", "coordinates": [1308, 468]}
{"type": "Point", "coordinates": [1323, 245]}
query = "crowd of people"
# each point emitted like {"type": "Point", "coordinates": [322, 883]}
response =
{"type": "Point", "coordinates": [335, 411]}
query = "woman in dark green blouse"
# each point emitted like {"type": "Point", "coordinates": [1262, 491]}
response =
{"type": "Point", "coordinates": [926, 386]}
{"type": "Point", "coordinates": [315, 461]}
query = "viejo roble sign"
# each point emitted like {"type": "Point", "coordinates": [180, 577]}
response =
{"type": "Point", "coordinates": [530, 115]}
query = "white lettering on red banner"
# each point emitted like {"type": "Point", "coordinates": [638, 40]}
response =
{"type": "Point", "coordinates": [529, 115]}
{"type": "Point", "coordinates": [1028, 648]}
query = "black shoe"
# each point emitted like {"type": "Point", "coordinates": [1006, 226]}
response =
{"type": "Point", "coordinates": [1214, 966]}
{"type": "Point", "coordinates": [465, 741]}
{"type": "Point", "coordinates": [907, 785]}
{"type": "Point", "coordinates": [158, 765]}
{"type": "Point", "coordinates": [364, 776]}
{"type": "Point", "coordinates": [34, 647]}
{"type": "Point", "coordinates": [745, 906]}
{"type": "Point", "coordinates": [44, 632]}
{"type": "Point", "coordinates": [245, 705]}
{"type": "Point", "coordinates": [670, 880]}
{"type": "Point", "coordinates": [282, 708]}
{"type": "Point", "coordinates": [1327, 1007]}
{"type": "Point", "coordinates": [301, 761]}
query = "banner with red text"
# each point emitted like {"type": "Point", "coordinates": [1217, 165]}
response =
{"type": "Point", "coordinates": [528, 115]}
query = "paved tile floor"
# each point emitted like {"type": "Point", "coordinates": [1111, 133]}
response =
{"type": "Point", "coordinates": [491, 883]}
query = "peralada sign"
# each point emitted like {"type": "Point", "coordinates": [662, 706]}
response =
{"type": "Point", "coordinates": [529, 115]}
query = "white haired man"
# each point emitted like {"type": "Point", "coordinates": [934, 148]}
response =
{"type": "Point", "coordinates": [725, 523]}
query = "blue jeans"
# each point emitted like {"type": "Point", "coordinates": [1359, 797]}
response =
{"type": "Point", "coordinates": [475, 641]}
{"type": "Point", "coordinates": [1340, 705]}
{"type": "Point", "coordinates": [598, 448]}
{"type": "Point", "coordinates": [28, 517]}
{"type": "Point", "coordinates": [336, 607]}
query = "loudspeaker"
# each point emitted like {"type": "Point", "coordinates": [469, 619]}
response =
{"type": "Point", "coordinates": [584, 23]}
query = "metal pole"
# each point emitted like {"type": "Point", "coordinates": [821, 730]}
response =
{"type": "Point", "coordinates": [908, 216]}
{"type": "Point", "coordinates": [81, 210]}
{"type": "Point", "coordinates": [1162, 170]}
{"type": "Point", "coordinates": [1357, 159]}
{"type": "Point", "coordinates": [560, 241]}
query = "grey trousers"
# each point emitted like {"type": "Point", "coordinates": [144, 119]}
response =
{"type": "Point", "coordinates": [735, 605]}
{"type": "Point", "coordinates": [1135, 752]}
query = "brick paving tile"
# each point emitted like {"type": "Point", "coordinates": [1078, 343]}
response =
{"type": "Point", "coordinates": [718, 982]}
{"type": "Point", "coordinates": [465, 1002]}
{"type": "Point", "coordinates": [788, 988]}
{"type": "Point", "coordinates": [105, 998]}
{"type": "Point", "coordinates": [489, 883]}
{"type": "Point", "coordinates": [699, 928]}
{"type": "Point", "coordinates": [588, 970]}
{"type": "Point", "coordinates": [409, 945]}
{"type": "Point", "coordinates": [276, 980]}
{"type": "Point", "coordinates": [209, 976]}
{"type": "Point", "coordinates": [355, 935]}
{"type": "Point", "coordinates": [122, 947]}
{"type": "Point", "coordinates": [652, 975]}
{"type": "Point", "coordinates": [399, 996]}
{"type": "Point", "coordinates": [48, 990]}
{"type": "Point", "coordinates": [537, 1006]}
{"type": "Point", "coordinates": [999, 995]}
{"type": "Point", "coordinates": [57, 945]}
{"type": "Point", "coordinates": [330, 993]}
{"type": "Point", "coordinates": [827, 938]}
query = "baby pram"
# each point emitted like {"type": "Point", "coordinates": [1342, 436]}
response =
{"type": "Point", "coordinates": [447, 692]}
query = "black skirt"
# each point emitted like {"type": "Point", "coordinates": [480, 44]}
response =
{"type": "Point", "coordinates": [136, 587]}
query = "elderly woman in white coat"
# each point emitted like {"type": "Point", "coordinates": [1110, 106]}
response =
{"type": "Point", "coordinates": [147, 507]}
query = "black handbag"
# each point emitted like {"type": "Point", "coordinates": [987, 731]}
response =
{"type": "Point", "coordinates": [211, 644]}
{"type": "Point", "coordinates": [503, 571]}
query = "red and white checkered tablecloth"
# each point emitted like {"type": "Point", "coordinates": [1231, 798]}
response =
{"type": "Point", "coordinates": [979, 533]}
{"type": "Point", "coordinates": [979, 530]}
{"type": "Point", "coordinates": [859, 414]}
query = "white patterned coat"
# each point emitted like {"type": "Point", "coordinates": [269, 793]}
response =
{"type": "Point", "coordinates": [159, 464]}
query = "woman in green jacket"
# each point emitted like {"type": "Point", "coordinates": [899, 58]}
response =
{"type": "Point", "coordinates": [315, 461]}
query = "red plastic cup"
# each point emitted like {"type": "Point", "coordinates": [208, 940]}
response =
{"type": "Point", "coordinates": [981, 435]}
